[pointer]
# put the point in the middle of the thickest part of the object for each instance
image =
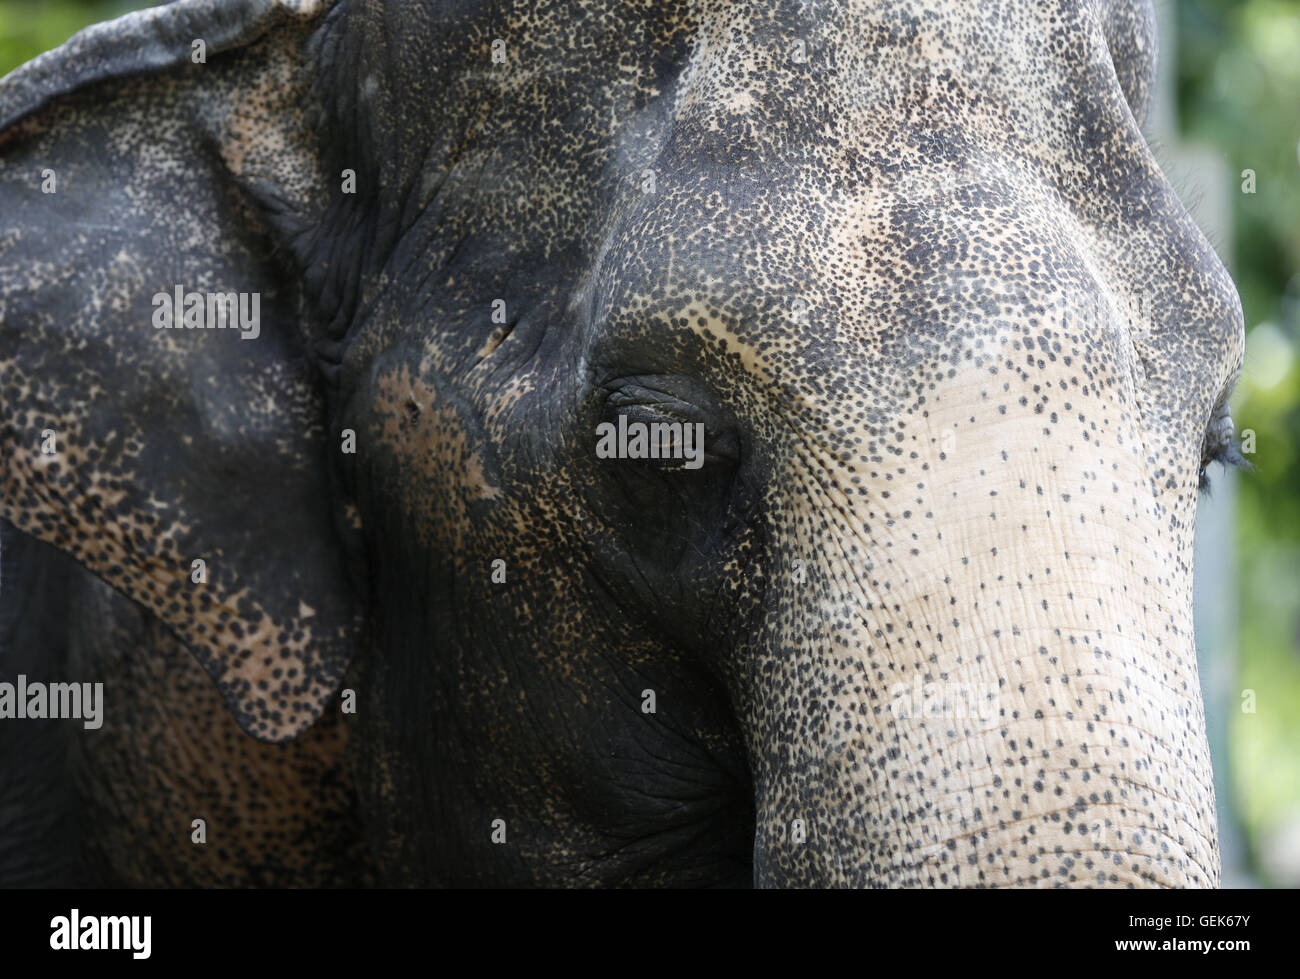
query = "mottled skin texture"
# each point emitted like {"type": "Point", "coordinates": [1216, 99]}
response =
{"type": "Point", "coordinates": [117, 804]}
{"type": "Point", "coordinates": [959, 352]}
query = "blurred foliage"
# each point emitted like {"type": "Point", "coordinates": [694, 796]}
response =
{"type": "Point", "coordinates": [1238, 90]}
{"type": "Point", "coordinates": [28, 27]}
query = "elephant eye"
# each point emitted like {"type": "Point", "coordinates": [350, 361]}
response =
{"type": "Point", "coordinates": [656, 429]}
{"type": "Point", "coordinates": [1220, 445]}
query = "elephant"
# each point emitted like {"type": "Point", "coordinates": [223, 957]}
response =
{"type": "Point", "coordinates": [691, 443]}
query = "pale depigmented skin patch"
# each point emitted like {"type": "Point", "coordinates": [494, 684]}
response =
{"type": "Point", "coordinates": [955, 343]}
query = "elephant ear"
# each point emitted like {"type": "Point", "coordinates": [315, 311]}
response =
{"type": "Point", "coordinates": [135, 160]}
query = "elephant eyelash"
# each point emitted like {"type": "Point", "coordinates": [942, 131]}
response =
{"type": "Point", "coordinates": [1227, 456]}
{"type": "Point", "coordinates": [1220, 445]}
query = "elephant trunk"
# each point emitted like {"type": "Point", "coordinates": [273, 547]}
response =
{"type": "Point", "coordinates": [982, 677]}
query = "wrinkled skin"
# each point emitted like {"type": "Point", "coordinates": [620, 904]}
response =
{"type": "Point", "coordinates": [960, 354]}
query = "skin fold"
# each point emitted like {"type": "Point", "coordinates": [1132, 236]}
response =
{"type": "Point", "coordinates": [922, 617]}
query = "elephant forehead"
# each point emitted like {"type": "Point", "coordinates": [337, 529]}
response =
{"type": "Point", "coordinates": [911, 168]}
{"type": "Point", "coordinates": [863, 218]}
{"type": "Point", "coordinates": [583, 102]}
{"type": "Point", "coordinates": [801, 152]}
{"type": "Point", "coordinates": [896, 97]}
{"type": "Point", "coordinates": [870, 284]}
{"type": "Point", "coordinates": [825, 71]}
{"type": "Point", "coordinates": [841, 251]}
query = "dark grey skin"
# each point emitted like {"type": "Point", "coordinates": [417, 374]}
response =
{"type": "Point", "coordinates": [960, 356]}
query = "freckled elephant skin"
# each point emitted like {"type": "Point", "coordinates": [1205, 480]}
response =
{"type": "Point", "coordinates": [921, 618]}
{"type": "Point", "coordinates": [275, 814]}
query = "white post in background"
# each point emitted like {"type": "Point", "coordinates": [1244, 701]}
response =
{"type": "Point", "coordinates": [1206, 177]}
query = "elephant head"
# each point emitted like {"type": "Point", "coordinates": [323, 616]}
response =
{"type": "Point", "coordinates": [933, 358]}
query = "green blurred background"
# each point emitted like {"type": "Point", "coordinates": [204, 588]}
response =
{"type": "Point", "coordinates": [1232, 93]}
{"type": "Point", "coordinates": [1237, 89]}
